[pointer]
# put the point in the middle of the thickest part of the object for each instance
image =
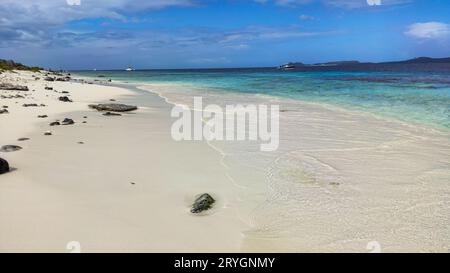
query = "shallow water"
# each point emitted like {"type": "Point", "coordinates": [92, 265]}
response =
{"type": "Point", "coordinates": [412, 97]}
{"type": "Point", "coordinates": [341, 179]}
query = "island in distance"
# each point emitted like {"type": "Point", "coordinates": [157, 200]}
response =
{"type": "Point", "coordinates": [421, 64]}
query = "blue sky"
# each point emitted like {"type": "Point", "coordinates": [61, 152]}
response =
{"type": "Point", "coordinates": [112, 34]}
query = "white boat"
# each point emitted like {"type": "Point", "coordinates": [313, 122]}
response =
{"type": "Point", "coordinates": [129, 69]}
{"type": "Point", "coordinates": [288, 66]}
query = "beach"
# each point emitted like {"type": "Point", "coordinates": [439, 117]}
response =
{"type": "Point", "coordinates": [60, 191]}
{"type": "Point", "coordinates": [340, 180]}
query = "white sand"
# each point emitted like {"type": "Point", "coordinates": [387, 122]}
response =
{"type": "Point", "coordinates": [61, 191]}
{"type": "Point", "coordinates": [340, 179]}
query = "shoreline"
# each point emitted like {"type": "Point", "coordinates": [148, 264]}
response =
{"type": "Point", "coordinates": [355, 160]}
{"type": "Point", "coordinates": [332, 167]}
{"type": "Point", "coordinates": [327, 106]}
{"type": "Point", "coordinates": [156, 206]}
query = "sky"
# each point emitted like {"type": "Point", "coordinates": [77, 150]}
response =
{"type": "Point", "coordinates": [115, 34]}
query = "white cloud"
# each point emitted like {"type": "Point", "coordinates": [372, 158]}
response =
{"type": "Point", "coordinates": [347, 4]}
{"type": "Point", "coordinates": [429, 30]}
{"type": "Point", "coordinates": [374, 2]}
{"type": "Point", "coordinates": [60, 11]}
{"type": "Point", "coordinates": [36, 21]}
{"type": "Point", "coordinates": [73, 2]}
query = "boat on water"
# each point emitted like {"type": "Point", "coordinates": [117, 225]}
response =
{"type": "Point", "coordinates": [288, 66]}
{"type": "Point", "coordinates": [129, 69]}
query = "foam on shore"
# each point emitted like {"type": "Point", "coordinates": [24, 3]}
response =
{"type": "Point", "coordinates": [340, 179]}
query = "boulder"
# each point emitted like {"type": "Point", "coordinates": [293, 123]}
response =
{"type": "Point", "coordinates": [23, 139]}
{"type": "Point", "coordinates": [113, 107]}
{"type": "Point", "coordinates": [67, 121]}
{"type": "Point", "coordinates": [48, 133]}
{"type": "Point", "coordinates": [8, 86]}
{"type": "Point", "coordinates": [4, 166]}
{"type": "Point", "coordinates": [49, 79]}
{"type": "Point", "coordinates": [202, 203]}
{"type": "Point", "coordinates": [64, 99]}
{"type": "Point", "coordinates": [42, 116]}
{"type": "Point", "coordinates": [16, 96]}
{"type": "Point", "coordinates": [30, 105]}
{"type": "Point", "coordinates": [111, 114]}
{"type": "Point", "coordinates": [10, 148]}
{"type": "Point", "coordinates": [4, 111]}
{"type": "Point", "coordinates": [64, 79]}
{"type": "Point", "coordinates": [55, 123]}
{"type": "Point", "coordinates": [48, 88]}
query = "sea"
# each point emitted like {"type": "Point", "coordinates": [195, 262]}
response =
{"type": "Point", "coordinates": [418, 97]}
{"type": "Point", "coordinates": [363, 160]}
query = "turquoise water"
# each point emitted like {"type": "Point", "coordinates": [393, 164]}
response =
{"type": "Point", "coordinates": [413, 97]}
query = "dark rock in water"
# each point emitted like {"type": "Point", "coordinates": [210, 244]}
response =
{"type": "Point", "coordinates": [55, 123]}
{"type": "Point", "coordinates": [49, 79]}
{"type": "Point", "coordinates": [64, 99]}
{"type": "Point", "coordinates": [4, 111]}
{"type": "Point", "coordinates": [48, 133]}
{"type": "Point", "coordinates": [113, 107]}
{"type": "Point", "coordinates": [64, 92]}
{"type": "Point", "coordinates": [111, 114]}
{"type": "Point", "coordinates": [67, 121]}
{"type": "Point", "coordinates": [202, 203]}
{"type": "Point", "coordinates": [23, 139]}
{"type": "Point", "coordinates": [8, 86]}
{"type": "Point", "coordinates": [4, 166]}
{"type": "Point", "coordinates": [81, 142]}
{"type": "Point", "coordinates": [112, 100]}
{"type": "Point", "coordinates": [84, 122]}
{"type": "Point", "coordinates": [42, 116]}
{"type": "Point", "coordinates": [10, 148]}
{"type": "Point", "coordinates": [5, 106]}
{"type": "Point", "coordinates": [48, 88]}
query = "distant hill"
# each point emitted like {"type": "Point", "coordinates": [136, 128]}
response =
{"type": "Point", "coordinates": [11, 65]}
{"type": "Point", "coordinates": [421, 64]}
{"type": "Point", "coordinates": [423, 60]}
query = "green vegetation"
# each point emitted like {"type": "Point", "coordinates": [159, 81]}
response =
{"type": "Point", "coordinates": [11, 65]}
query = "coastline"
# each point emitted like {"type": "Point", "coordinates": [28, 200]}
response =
{"type": "Point", "coordinates": [336, 166]}
{"type": "Point", "coordinates": [60, 191]}
{"type": "Point", "coordinates": [332, 167]}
